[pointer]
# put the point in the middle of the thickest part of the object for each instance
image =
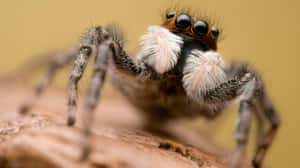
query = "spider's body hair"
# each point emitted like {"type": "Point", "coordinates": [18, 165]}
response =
{"type": "Point", "coordinates": [160, 49]}
{"type": "Point", "coordinates": [210, 65]}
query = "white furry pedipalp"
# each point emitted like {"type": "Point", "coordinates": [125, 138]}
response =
{"type": "Point", "coordinates": [161, 49]}
{"type": "Point", "coordinates": [203, 71]}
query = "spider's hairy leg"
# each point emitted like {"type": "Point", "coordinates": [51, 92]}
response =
{"type": "Point", "coordinates": [254, 100]}
{"type": "Point", "coordinates": [243, 87]}
{"type": "Point", "coordinates": [107, 46]}
{"type": "Point", "coordinates": [272, 115]}
{"type": "Point", "coordinates": [260, 125]}
{"type": "Point", "coordinates": [94, 91]}
{"type": "Point", "coordinates": [239, 82]}
{"type": "Point", "coordinates": [246, 110]}
{"type": "Point", "coordinates": [58, 62]}
{"type": "Point", "coordinates": [88, 47]}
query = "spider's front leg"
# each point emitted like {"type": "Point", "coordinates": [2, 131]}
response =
{"type": "Point", "coordinates": [93, 93]}
{"type": "Point", "coordinates": [219, 84]}
{"type": "Point", "coordinates": [107, 46]}
{"type": "Point", "coordinates": [253, 98]}
{"type": "Point", "coordinates": [265, 141]}
{"type": "Point", "coordinates": [88, 47]}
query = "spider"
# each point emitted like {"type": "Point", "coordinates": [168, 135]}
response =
{"type": "Point", "coordinates": [177, 73]}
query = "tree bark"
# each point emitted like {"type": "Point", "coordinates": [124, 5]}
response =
{"type": "Point", "coordinates": [43, 140]}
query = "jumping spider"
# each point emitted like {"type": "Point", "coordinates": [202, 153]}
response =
{"type": "Point", "coordinates": [177, 73]}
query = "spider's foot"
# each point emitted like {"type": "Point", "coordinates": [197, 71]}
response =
{"type": "Point", "coordinates": [85, 151]}
{"type": "Point", "coordinates": [24, 109]}
{"type": "Point", "coordinates": [255, 164]}
{"type": "Point", "coordinates": [71, 121]}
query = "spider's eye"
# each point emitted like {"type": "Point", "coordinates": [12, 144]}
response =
{"type": "Point", "coordinates": [170, 15]}
{"type": "Point", "coordinates": [215, 31]}
{"type": "Point", "coordinates": [200, 27]}
{"type": "Point", "coordinates": [183, 21]}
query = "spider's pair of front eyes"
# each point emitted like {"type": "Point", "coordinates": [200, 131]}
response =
{"type": "Point", "coordinates": [200, 27]}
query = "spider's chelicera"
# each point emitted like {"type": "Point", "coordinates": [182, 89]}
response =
{"type": "Point", "coordinates": [177, 73]}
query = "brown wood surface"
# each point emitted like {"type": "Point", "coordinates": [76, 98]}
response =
{"type": "Point", "coordinates": [42, 139]}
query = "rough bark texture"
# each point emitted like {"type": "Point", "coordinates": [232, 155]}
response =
{"type": "Point", "coordinates": [42, 138]}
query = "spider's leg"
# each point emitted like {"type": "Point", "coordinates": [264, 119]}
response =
{"type": "Point", "coordinates": [59, 61]}
{"type": "Point", "coordinates": [246, 110]}
{"type": "Point", "coordinates": [260, 124]}
{"type": "Point", "coordinates": [238, 67]}
{"type": "Point", "coordinates": [88, 46]}
{"type": "Point", "coordinates": [262, 107]}
{"type": "Point", "coordinates": [76, 74]}
{"type": "Point", "coordinates": [107, 44]}
{"type": "Point", "coordinates": [112, 52]}
{"type": "Point", "coordinates": [266, 140]}
{"type": "Point", "coordinates": [93, 93]}
{"type": "Point", "coordinates": [228, 90]}
{"type": "Point", "coordinates": [244, 84]}
{"type": "Point", "coordinates": [121, 60]}
{"type": "Point", "coordinates": [238, 83]}
{"type": "Point", "coordinates": [256, 99]}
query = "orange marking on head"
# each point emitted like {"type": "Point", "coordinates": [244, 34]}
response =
{"type": "Point", "coordinates": [208, 39]}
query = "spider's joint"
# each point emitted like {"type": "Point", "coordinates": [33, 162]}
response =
{"type": "Point", "coordinates": [248, 90]}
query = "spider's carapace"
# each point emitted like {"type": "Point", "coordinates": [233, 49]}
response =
{"type": "Point", "coordinates": [192, 27]}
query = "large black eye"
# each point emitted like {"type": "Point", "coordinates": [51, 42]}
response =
{"type": "Point", "coordinates": [215, 31]}
{"type": "Point", "coordinates": [170, 15]}
{"type": "Point", "coordinates": [183, 21]}
{"type": "Point", "coordinates": [200, 27]}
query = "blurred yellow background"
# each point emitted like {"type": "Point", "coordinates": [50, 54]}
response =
{"type": "Point", "coordinates": [263, 32]}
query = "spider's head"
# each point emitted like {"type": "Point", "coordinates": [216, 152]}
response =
{"type": "Point", "coordinates": [169, 47]}
{"type": "Point", "coordinates": [192, 27]}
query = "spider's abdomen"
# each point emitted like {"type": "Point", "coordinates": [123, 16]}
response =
{"type": "Point", "coordinates": [164, 99]}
